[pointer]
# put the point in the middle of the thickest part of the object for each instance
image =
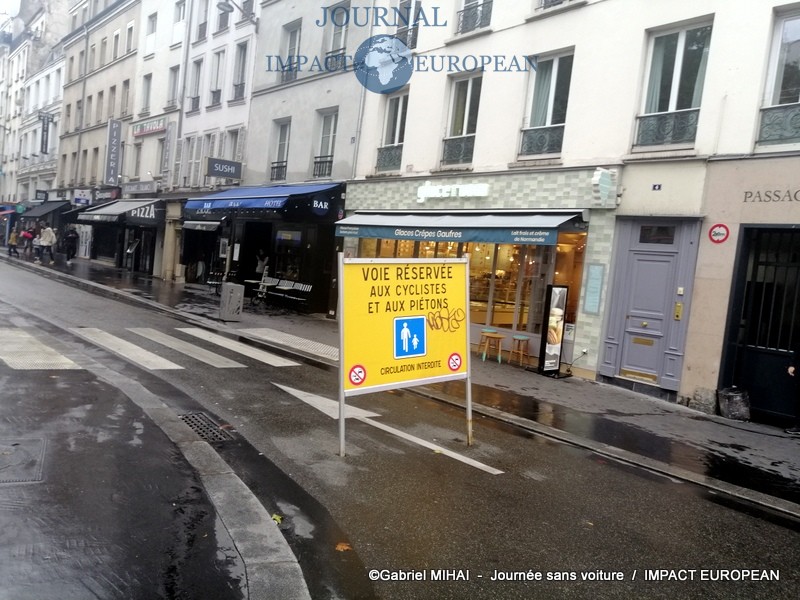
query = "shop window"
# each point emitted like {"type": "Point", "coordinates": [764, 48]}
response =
{"type": "Point", "coordinates": [287, 254]}
{"type": "Point", "coordinates": [657, 234]}
{"type": "Point", "coordinates": [386, 248]}
{"type": "Point", "coordinates": [405, 249]}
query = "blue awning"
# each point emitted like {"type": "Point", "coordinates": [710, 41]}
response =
{"type": "Point", "coordinates": [274, 196]}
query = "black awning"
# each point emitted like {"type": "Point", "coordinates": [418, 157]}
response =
{"type": "Point", "coordinates": [44, 209]}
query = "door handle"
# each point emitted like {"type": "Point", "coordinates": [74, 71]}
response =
{"type": "Point", "coordinates": [644, 323]}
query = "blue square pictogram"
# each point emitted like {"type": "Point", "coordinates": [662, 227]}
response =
{"type": "Point", "coordinates": [409, 337]}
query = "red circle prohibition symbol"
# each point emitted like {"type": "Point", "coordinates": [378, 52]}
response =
{"type": "Point", "coordinates": [358, 374]}
{"type": "Point", "coordinates": [719, 233]}
{"type": "Point", "coordinates": [454, 361]}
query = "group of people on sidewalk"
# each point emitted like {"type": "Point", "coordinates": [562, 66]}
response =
{"type": "Point", "coordinates": [40, 245]}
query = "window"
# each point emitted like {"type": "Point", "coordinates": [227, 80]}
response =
{"type": "Point", "coordinates": [180, 11]}
{"type": "Point", "coordinates": [391, 154]}
{"type": "Point", "coordinates": [137, 159]}
{"type": "Point", "coordinates": [100, 100]}
{"type": "Point", "coordinates": [408, 22]}
{"type": "Point", "coordinates": [197, 77]}
{"type": "Point", "coordinates": [780, 117]}
{"type": "Point", "coordinates": [71, 68]}
{"type": "Point", "coordinates": [95, 163]}
{"type": "Point", "coordinates": [152, 24]}
{"type": "Point", "coordinates": [92, 57]}
{"type": "Point", "coordinates": [103, 51]}
{"type": "Point", "coordinates": [67, 117]}
{"type": "Point", "coordinates": [112, 101]}
{"type": "Point", "coordinates": [339, 26]}
{"type": "Point", "coordinates": [323, 162]}
{"type": "Point", "coordinates": [172, 83]}
{"type": "Point", "coordinates": [240, 72]}
{"type": "Point", "coordinates": [147, 83]}
{"type": "Point", "coordinates": [234, 143]}
{"type": "Point", "coordinates": [222, 20]}
{"type": "Point", "coordinates": [78, 114]}
{"type": "Point", "coordinates": [129, 38]}
{"type": "Point", "coordinates": [217, 76]}
{"type": "Point", "coordinates": [84, 160]}
{"type": "Point", "coordinates": [126, 92]}
{"type": "Point", "coordinates": [278, 171]}
{"type": "Point", "coordinates": [675, 83]}
{"type": "Point", "coordinates": [115, 46]}
{"type": "Point", "coordinates": [292, 53]}
{"type": "Point", "coordinates": [81, 63]}
{"type": "Point", "coordinates": [548, 108]}
{"type": "Point", "coordinates": [202, 20]}
{"type": "Point", "coordinates": [459, 146]}
{"type": "Point", "coordinates": [89, 107]}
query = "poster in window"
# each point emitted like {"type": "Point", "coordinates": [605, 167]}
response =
{"type": "Point", "coordinates": [553, 329]}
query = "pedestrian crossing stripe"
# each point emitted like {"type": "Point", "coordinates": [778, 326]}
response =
{"type": "Point", "coordinates": [132, 352]}
{"type": "Point", "coordinates": [22, 351]}
{"type": "Point", "coordinates": [260, 355]}
{"type": "Point", "coordinates": [209, 358]}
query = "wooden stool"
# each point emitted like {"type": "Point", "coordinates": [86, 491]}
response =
{"type": "Point", "coordinates": [519, 345]}
{"type": "Point", "coordinates": [493, 340]}
{"type": "Point", "coordinates": [484, 331]}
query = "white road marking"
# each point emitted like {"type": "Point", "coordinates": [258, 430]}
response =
{"type": "Point", "coordinates": [331, 408]}
{"type": "Point", "coordinates": [184, 347]}
{"type": "Point", "coordinates": [254, 353]}
{"type": "Point", "coordinates": [21, 351]}
{"type": "Point", "coordinates": [126, 350]}
{"type": "Point", "coordinates": [294, 341]}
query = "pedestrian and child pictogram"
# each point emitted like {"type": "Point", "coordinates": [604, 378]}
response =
{"type": "Point", "coordinates": [409, 337]}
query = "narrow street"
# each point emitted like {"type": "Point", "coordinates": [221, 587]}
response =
{"type": "Point", "coordinates": [437, 520]}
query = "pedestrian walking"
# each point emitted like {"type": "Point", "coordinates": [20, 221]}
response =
{"type": "Point", "coordinates": [47, 239]}
{"type": "Point", "coordinates": [71, 244]}
{"type": "Point", "coordinates": [792, 370]}
{"type": "Point", "coordinates": [37, 250]}
{"type": "Point", "coordinates": [27, 236]}
{"type": "Point", "coordinates": [12, 244]}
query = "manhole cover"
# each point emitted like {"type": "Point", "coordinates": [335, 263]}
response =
{"type": "Point", "coordinates": [203, 426]}
{"type": "Point", "coordinates": [21, 461]}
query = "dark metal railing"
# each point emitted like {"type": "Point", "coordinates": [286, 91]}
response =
{"type": "Point", "coordinates": [323, 165]}
{"type": "Point", "coordinates": [216, 97]}
{"type": "Point", "coordinates": [542, 140]}
{"type": "Point", "coordinates": [780, 124]}
{"type": "Point", "coordinates": [458, 150]}
{"type": "Point", "coordinates": [289, 72]}
{"type": "Point", "coordinates": [679, 127]}
{"type": "Point", "coordinates": [335, 60]}
{"type": "Point", "coordinates": [408, 35]}
{"type": "Point", "coordinates": [475, 16]}
{"type": "Point", "coordinates": [278, 171]}
{"type": "Point", "coordinates": [238, 91]}
{"type": "Point", "coordinates": [390, 158]}
{"type": "Point", "coordinates": [194, 103]}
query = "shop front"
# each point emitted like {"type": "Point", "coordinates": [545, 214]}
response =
{"type": "Point", "coordinates": [127, 233]}
{"type": "Point", "coordinates": [292, 225]}
{"type": "Point", "coordinates": [520, 242]}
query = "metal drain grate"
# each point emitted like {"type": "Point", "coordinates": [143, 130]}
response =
{"type": "Point", "coordinates": [203, 426]}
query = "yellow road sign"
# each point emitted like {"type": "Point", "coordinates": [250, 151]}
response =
{"type": "Point", "coordinates": [402, 322]}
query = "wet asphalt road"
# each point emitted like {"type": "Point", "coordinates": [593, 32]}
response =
{"type": "Point", "coordinates": [403, 509]}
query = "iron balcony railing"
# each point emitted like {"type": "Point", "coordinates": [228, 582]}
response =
{"type": "Point", "coordinates": [278, 171]}
{"type": "Point", "coordinates": [323, 165]}
{"type": "Point", "coordinates": [408, 35]}
{"type": "Point", "coordinates": [216, 97]}
{"type": "Point", "coordinates": [542, 140]}
{"type": "Point", "coordinates": [780, 124]}
{"type": "Point", "coordinates": [679, 127]}
{"type": "Point", "coordinates": [475, 16]}
{"type": "Point", "coordinates": [458, 150]}
{"type": "Point", "coordinates": [335, 60]}
{"type": "Point", "coordinates": [238, 91]}
{"type": "Point", "coordinates": [390, 158]}
{"type": "Point", "coordinates": [289, 72]}
{"type": "Point", "coordinates": [194, 103]}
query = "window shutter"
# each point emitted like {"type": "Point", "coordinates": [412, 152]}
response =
{"type": "Point", "coordinates": [176, 173]}
{"type": "Point", "coordinates": [198, 159]}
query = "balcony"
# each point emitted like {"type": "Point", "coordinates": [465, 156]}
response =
{"type": "Point", "coordinates": [194, 103]}
{"type": "Point", "coordinates": [289, 73]}
{"type": "Point", "coordinates": [679, 127]}
{"type": "Point", "coordinates": [476, 16]}
{"type": "Point", "coordinates": [542, 140]}
{"type": "Point", "coordinates": [408, 35]}
{"type": "Point", "coordinates": [323, 165]}
{"type": "Point", "coordinates": [238, 91]}
{"type": "Point", "coordinates": [780, 124]}
{"type": "Point", "coordinates": [202, 30]}
{"type": "Point", "coordinates": [389, 158]}
{"type": "Point", "coordinates": [278, 171]}
{"type": "Point", "coordinates": [458, 150]}
{"type": "Point", "coordinates": [335, 60]}
{"type": "Point", "coordinates": [216, 97]}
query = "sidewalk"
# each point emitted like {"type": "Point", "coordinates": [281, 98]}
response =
{"type": "Point", "coordinates": [756, 463]}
